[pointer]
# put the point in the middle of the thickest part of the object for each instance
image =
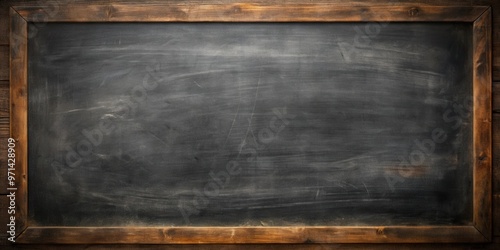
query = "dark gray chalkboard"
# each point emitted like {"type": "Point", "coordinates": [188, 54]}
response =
{"type": "Point", "coordinates": [250, 124]}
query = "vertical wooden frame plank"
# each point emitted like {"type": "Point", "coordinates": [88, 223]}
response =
{"type": "Point", "coordinates": [19, 113]}
{"type": "Point", "coordinates": [482, 117]}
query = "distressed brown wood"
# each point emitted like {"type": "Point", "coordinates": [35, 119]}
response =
{"type": "Point", "coordinates": [496, 56]}
{"type": "Point", "coordinates": [496, 159]}
{"type": "Point", "coordinates": [251, 13]}
{"type": "Point", "coordinates": [496, 41]}
{"type": "Point", "coordinates": [206, 235]}
{"type": "Point", "coordinates": [4, 217]}
{"type": "Point", "coordinates": [4, 132]}
{"type": "Point", "coordinates": [480, 231]}
{"type": "Point", "coordinates": [496, 97]}
{"type": "Point", "coordinates": [482, 123]}
{"type": "Point", "coordinates": [4, 99]}
{"type": "Point", "coordinates": [4, 62]}
{"type": "Point", "coordinates": [495, 35]}
{"type": "Point", "coordinates": [4, 23]}
{"type": "Point", "coordinates": [19, 115]}
{"type": "Point", "coordinates": [3, 162]}
{"type": "Point", "coordinates": [4, 127]}
{"type": "Point", "coordinates": [496, 214]}
{"type": "Point", "coordinates": [352, 246]}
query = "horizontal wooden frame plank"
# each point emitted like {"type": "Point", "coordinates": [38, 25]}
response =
{"type": "Point", "coordinates": [480, 231]}
{"type": "Point", "coordinates": [207, 235]}
{"type": "Point", "coordinates": [350, 246]}
{"type": "Point", "coordinates": [249, 13]}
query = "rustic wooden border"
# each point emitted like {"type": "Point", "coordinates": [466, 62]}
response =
{"type": "Point", "coordinates": [480, 18]}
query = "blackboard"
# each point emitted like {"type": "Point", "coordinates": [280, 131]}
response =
{"type": "Point", "coordinates": [250, 124]}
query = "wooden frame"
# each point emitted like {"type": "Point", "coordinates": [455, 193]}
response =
{"type": "Point", "coordinates": [478, 231]}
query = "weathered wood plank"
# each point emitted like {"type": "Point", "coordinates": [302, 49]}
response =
{"type": "Point", "coordinates": [496, 52]}
{"type": "Point", "coordinates": [4, 127]}
{"type": "Point", "coordinates": [267, 247]}
{"type": "Point", "coordinates": [3, 216]}
{"type": "Point", "coordinates": [250, 13]}
{"type": "Point", "coordinates": [496, 155]}
{"type": "Point", "coordinates": [4, 99]}
{"type": "Point", "coordinates": [496, 40]}
{"type": "Point", "coordinates": [4, 62]}
{"type": "Point", "coordinates": [19, 126]}
{"type": "Point", "coordinates": [3, 166]}
{"type": "Point", "coordinates": [338, 2]}
{"type": "Point", "coordinates": [496, 97]}
{"type": "Point", "coordinates": [496, 64]}
{"type": "Point", "coordinates": [4, 132]}
{"type": "Point", "coordinates": [496, 214]}
{"type": "Point", "coordinates": [231, 235]}
{"type": "Point", "coordinates": [482, 123]}
{"type": "Point", "coordinates": [495, 34]}
{"type": "Point", "coordinates": [4, 23]}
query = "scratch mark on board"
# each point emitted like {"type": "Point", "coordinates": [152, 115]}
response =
{"type": "Point", "coordinates": [253, 112]}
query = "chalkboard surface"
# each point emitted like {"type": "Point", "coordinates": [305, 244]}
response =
{"type": "Point", "coordinates": [262, 124]}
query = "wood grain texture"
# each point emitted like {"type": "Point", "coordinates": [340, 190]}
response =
{"type": "Point", "coordinates": [250, 13]}
{"type": "Point", "coordinates": [4, 63]}
{"type": "Point", "coordinates": [3, 166]}
{"type": "Point", "coordinates": [496, 97]}
{"type": "Point", "coordinates": [496, 43]}
{"type": "Point", "coordinates": [496, 214]}
{"type": "Point", "coordinates": [4, 132]}
{"type": "Point", "coordinates": [4, 127]}
{"type": "Point", "coordinates": [495, 35]}
{"type": "Point", "coordinates": [4, 217]}
{"type": "Point", "coordinates": [482, 123]}
{"type": "Point", "coordinates": [4, 99]}
{"type": "Point", "coordinates": [238, 235]}
{"type": "Point", "coordinates": [496, 55]}
{"type": "Point", "coordinates": [351, 246]}
{"type": "Point", "coordinates": [496, 156]}
{"type": "Point", "coordinates": [495, 39]}
{"type": "Point", "coordinates": [4, 23]}
{"type": "Point", "coordinates": [19, 123]}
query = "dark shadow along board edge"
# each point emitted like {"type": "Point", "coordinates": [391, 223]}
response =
{"type": "Point", "coordinates": [480, 229]}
